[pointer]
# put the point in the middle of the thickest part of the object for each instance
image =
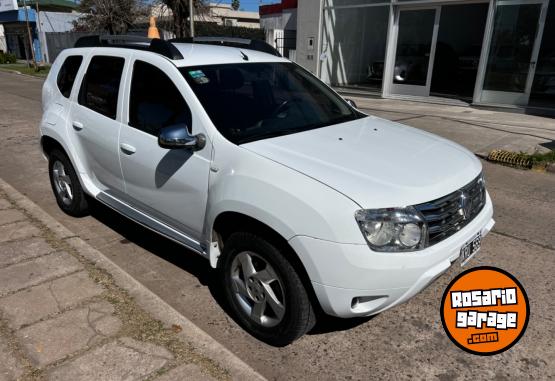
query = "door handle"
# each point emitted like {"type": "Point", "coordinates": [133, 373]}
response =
{"type": "Point", "coordinates": [77, 126]}
{"type": "Point", "coordinates": [127, 149]}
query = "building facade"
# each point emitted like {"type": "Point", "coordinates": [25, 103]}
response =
{"type": "Point", "coordinates": [54, 16]}
{"type": "Point", "coordinates": [279, 22]}
{"type": "Point", "coordinates": [224, 14]}
{"type": "Point", "coordinates": [483, 52]}
{"type": "Point", "coordinates": [16, 34]}
{"type": "Point", "coordinates": [217, 13]}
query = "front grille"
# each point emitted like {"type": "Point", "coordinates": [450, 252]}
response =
{"type": "Point", "coordinates": [449, 214]}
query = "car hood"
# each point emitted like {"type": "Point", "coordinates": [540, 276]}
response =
{"type": "Point", "coordinates": [375, 162]}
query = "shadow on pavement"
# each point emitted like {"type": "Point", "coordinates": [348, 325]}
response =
{"type": "Point", "coordinates": [327, 324]}
{"type": "Point", "coordinates": [196, 265]}
{"type": "Point", "coordinates": [153, 242]}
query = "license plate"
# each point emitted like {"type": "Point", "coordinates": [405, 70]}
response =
{"type": "Point", "coordinates": [470, 248]}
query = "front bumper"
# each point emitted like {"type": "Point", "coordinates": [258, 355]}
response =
{"type": "Point", "coordinates": [351, 280]}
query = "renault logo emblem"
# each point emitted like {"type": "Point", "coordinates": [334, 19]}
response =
{"type": "Point", "coordinates": [464, 205]}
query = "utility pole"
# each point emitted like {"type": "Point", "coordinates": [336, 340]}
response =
{"type": "Point", "coordinates": [39, 30]}
{"type": "Point", "coordinates": [30, 36]}
{"type": "Point", "coordinates": [191, 18]}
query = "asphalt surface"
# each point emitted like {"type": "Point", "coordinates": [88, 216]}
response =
{"type": "Point", "coordinates": [405, 342]}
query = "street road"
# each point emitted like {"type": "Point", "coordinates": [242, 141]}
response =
{"type": "Point", "coordinates": [405, 342]}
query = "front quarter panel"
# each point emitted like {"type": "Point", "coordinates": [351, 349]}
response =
{"type": "Point", "coordinates": [287, 201]}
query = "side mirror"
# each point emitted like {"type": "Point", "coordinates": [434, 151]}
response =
{"type": "Point", "coordinates": [351, 103]}
{"type": "Point", "coordinates": [178, 136]}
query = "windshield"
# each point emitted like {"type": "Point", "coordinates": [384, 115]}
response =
{"type": "Point", "coordinates": [253, 101]}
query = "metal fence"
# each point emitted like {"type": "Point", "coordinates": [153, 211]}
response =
{"type": "Point", "coordinates": [58, 41]}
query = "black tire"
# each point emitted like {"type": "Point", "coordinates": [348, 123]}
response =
{"type": "Point", "coordinates": [77, 205]}
{"type": "Point", "coordinates": [299, 316]}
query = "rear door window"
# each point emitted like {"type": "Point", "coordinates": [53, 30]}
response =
{"type": "Point", "coordinates": [67, 74]}
{"type": "Point", "coordinates": [100, 87]}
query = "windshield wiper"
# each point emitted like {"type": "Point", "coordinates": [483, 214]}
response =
{"type": "Point", "coordinates": [288, 131]}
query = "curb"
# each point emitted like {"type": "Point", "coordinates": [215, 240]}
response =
{"type": "Point", "coordinates": [22, 74]}
{"type": "Point", "coordinates": [144, 298]}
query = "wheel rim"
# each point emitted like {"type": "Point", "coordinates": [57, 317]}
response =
{"type": "Point", "coordinates": [258, 289]}
{"type": "Point", "coordinates": [62, 183]}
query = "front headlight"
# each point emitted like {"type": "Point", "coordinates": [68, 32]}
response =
{"type": "Point", "coordinates": [393, 229]}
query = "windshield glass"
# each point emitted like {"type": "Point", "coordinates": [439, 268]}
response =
{"type": "Point", "coordinates": [253, 101]}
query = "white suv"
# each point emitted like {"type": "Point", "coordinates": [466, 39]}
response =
{"type": "Point", "coordinates": [302, 202]}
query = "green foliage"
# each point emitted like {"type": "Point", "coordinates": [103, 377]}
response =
{"type": "Point", "coordinates": [541, 158]}
{"type": "Point", "coordinates": [235, 4]}
{"type": "Point", "coordinates": [180, 21]}
{"type": "Point", "coordinates": [25, 69]}
{"type": "Point", "coordinates": [112, 16]}
{"type": "Point", "coordinates": [7, 58]}
{"type": "Point", "coordinates": [211, 29]}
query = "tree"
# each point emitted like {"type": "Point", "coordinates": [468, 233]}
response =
{"type": "Point", "coordinates": [113, 16]}
{"type": "Point", "coordinates": [235, 4]}
{"type": "Point", "coordinates": [180, 14]}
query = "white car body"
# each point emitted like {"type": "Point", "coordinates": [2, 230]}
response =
{"type": "Point", "coordinates": [305, 186]}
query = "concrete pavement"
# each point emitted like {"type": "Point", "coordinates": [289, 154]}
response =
{"type": "Point", "coordinates": [406, 342]}
{"type": "Point", "coordinates": [68, 313]}
{"type": "Point", "coordinates": [479, 130]}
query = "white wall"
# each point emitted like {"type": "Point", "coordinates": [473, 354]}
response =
{"type": "Point", "coordinates": [3, 46]}
{"type": "Point", "coordinates": [308, 24]}
{"type": "Point", "coordinates": [57, 21]}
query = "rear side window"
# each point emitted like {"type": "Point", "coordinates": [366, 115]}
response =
{"type": "Point", "coordinates": [100, 87]}
{"type": "Point", "coordinates": [155, 101]}
{"type": "Point", "coordinates": [67, 74]}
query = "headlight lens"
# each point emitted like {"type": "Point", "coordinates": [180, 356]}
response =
{"type": "Point", "coordinates": [393, 229]}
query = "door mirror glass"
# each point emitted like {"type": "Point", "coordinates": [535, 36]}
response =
{"type": "Point", "coordinates": [178, 136]}
{"type": "Point", "coordinates": [351, 103]}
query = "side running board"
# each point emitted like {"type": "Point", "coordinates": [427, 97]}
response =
{"type": "Point", "coordinates": [150, 223]}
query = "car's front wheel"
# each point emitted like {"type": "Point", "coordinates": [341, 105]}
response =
{"type": "Point", "coordinates": [65, 185]}
{"type": "Point", "coordinates": [264, 290]}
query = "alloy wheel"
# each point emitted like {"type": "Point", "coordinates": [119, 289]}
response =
{"type": "Point", "coordinates": [62, 183]}
{"type": "Point", "coordinates": [258, 289]}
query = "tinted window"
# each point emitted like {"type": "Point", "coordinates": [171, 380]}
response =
{"type": "Point", "coordinates": [100, 87]}
{"type": "Point", "coordinates": [155, 102]}
{"type": "Point", "coordinates": [67, 74]}
{"type": "Point", "coordinates": [252, 101]}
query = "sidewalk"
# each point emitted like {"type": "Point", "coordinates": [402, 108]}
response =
{"type": "Point", "coordinates": [68, 313]}
{"type": "Point", "coordinates": [479, 130]}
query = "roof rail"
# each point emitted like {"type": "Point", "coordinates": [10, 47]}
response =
{"type": "Point", "coordinates": [162, 47]}
{"type": "Point", "coordinates": [234, 42]}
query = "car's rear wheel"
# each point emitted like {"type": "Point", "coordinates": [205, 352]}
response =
{"type": "Point", "coordinates": [65, 185]}
{"type": "Point", "coordinates": [264, 290]}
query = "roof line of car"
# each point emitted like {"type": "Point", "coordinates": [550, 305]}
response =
{"type": "Point", "coordinates": [167, 48]}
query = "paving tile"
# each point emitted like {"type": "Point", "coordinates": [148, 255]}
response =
{"type": "Point", "coordinates": [74, 330]}
{"type": "Point", "coordinates": [9, 216]}
{"type": "Point", "coordinates": [31, 273]}
{"type": "Point", "coordinates": [38, 302]}
{"type": "Point", "coordinates": [17, 251]}
{"type": "Point", "coordinates": [10, 367]}
{"type": "Point", "coordinates": [18, 230]}
{"type": "Point", "coordinates": [125, 359]}
{"type": "Point", "coordinates": [5, 204]}
{"type": "Point", "coordinates": [185, 372]}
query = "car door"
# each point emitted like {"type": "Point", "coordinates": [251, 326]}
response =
{"type": "Point", "coordinates": [170, 185]}
{"type": "Point", "coordinates": [94, 120]}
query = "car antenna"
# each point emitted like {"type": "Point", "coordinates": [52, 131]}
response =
{"type": "Point", "coordinates": [245, 57]}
